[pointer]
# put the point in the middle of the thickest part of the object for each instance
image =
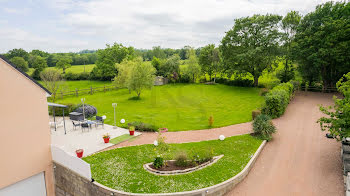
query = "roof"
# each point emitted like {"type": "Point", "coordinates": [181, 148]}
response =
{"type": "Point", "coordinates": [56, 105]}
{"type": "Point", "coordinates": [26, 75]}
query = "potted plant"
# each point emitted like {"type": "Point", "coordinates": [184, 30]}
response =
{"type": "Point", "coordinates": [132, 130]}
{"type": "Point", "coordinates": [79, 153]}
{"type": "Point", "coordinates": [163, 130]}
{"type": "Point", "coordinates": [106, 137]}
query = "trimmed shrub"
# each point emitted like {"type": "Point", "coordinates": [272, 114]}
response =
{"type": "Point", "coordinates": [89, 110]}
{"type": "Point", "coordinates": [181, 159]}
{"type": "Point", "coordinates": [255, 113]}
{"type": "Point", "coordinates": [140, 126]}
{"type": "Point", "coordinates": [277, 100]}
{"type": "Point", "coordinates": [158, 162]}
{"type": "Point", "coordinates": [236, 82]}
{"type": "Point", "coordinates": [263, 91]}
{"type": "Point", "coordinates": [263, 127]}
{"type": "Point", "coordinates": [76, 76]}
{"type": "Point", "coordinates": [59, 112]}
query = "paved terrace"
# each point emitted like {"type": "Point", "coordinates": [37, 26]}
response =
{"type": "Point", "coordinates": [89, 140]}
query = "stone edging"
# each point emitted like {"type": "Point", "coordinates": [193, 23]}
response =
{"type": "Point", "coordinates": [217, 190]}
{"type": "Point", "coordinates": [178, 172]}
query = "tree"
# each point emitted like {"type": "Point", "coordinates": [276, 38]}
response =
{"type": "Point", "coordinates": [290, 24]}
{"type": "Point", "coordinates": [322, 43]}
{"type": "Point", "coordinates": [20, 63]}
{"type": "Point", "coordinates": [337, 121]}
{"type": "Point", "coordinates": [39, 53]}
{"type": "Point", "coordinates": [39, 64]}
{"type": "Point", "coordinates": [252, 44]}
{"type": "Point", "coordinates": [124, 70]}
{"type": "Point", "coordinates": [52, 80]}
{"type": "Point", "coordinates": [171, 65]}
{"type": "Point", "coordinates": [156, 62]}
{"type": "Point", "coordinates": [17, 53]}
{"type": "Point", "coordinates": [107, 58]}
{"type": "Point", "coordinates": [193, 69]}
{"type": "Point", "coordinates": [209, 60]}
{"type": "Point", "coordinates": [141, 77]}
{"type": "Point", "coordinates": [64, 62]}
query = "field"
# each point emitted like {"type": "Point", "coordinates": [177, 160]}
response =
{"type": "Point", "coordinates": [73, 69]}
{"type": "Point", "coordinates": [122, 168]}
{"type": "Point", "coordinates": [81, 84]}
{"type": "Point", "coordinates": [178, 107]}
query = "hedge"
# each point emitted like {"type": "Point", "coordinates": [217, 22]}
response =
{"type": "Point", "coordinates": [277, 100]}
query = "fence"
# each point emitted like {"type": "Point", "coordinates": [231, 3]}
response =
{"type": "Point", "coordinates": [90, 91]}
{"type": "Point", "coordinates": [319, 89]}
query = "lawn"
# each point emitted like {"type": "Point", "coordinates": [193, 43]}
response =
{"type": "Point", "coordinates": [121, 138]}
{"type": "Point", "coordinates": [122, 168]}
{"type": "Point", "coordinates": [81, 84]}
{"type": "Point", "coordinates": [178, 107]}
{"type": "Point", "coordinates": [73, 69]}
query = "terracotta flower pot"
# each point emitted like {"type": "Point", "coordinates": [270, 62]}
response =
{"type": "Point", "coordinates": [79, 153]}
{"type": "Point", "coordinates": [131, 132]}
{"type": "Point", "coordinates": [106, 139]}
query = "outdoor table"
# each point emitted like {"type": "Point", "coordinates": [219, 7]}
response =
{"type": "Point", "coordinates": [89, 122]}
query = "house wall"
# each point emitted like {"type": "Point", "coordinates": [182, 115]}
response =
{"type": "Point", "coordinates": [24, 129]}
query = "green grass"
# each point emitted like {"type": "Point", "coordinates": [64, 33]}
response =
{"type": "Point", "coordinates": [82, 84]}
{"type": "Point", "coordinates": [121, 138]}
{"type": "Point", "coordinates": [178, 107]}
{"type": "Point", "coordinates": [73, 69]}
{"type": "Point", "coordinates": [122, 168]}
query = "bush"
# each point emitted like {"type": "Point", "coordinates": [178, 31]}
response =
{"type": "Point", "coordinates": [199, 158]}
{"type": "Point", "coordinates": [236, 82]}
{"type": "Point", "coordinates": [89, 110]}
{"type": "Point", "coordinates": [263, 127]}
{"type": "Point", "coordinates": [140, 126]}
{"type": "Point", "coordinates": [277, 100]}
{"type": "Point", "coordinates": [263, 91]}
{"type": "Point", "coordinates": [158, 162]}
{"type": "Point", "coordinates": [59, 112]}
{"type": "Point", "coordinates": [76, 76]}
{"type": "Point", "coordinates": [181, 159]}
{"type": "Point", "coordinates": [255, 113]}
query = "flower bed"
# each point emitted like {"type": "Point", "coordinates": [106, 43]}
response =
{"type": "Point", "coordinates": [172, 169]}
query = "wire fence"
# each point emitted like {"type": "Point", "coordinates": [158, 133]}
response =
{"type": "Point", "coordinates": [319, 89]}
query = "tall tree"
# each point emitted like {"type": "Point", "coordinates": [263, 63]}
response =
{"type": "Point", "coordinates": [252, 44]}
{"type": "Point", "coordinates": [290, 24]}
{"type": "Point", "coordinates": [322, 43]}
{"type": "Point", "coordinates": [20, 63]}
{"type": "Point", "coordinates": [193, 69]}
{"type": "Point", "coordinates": [39, 64]}
{"type": "Point", "coordinates": [64, 62]}
{"type": "Point", "coordinates": [52, 80]}
{"type": "Point", "coordinates": [171, 66]}
{"type": "Point", "coordinates": [209, 60]}
{"type": "Point", "coordinates": [141, 77]}
{"type": "Point", "coordinates": [17, 52]}
{"type": "Point", "coordinates": [107, 58]}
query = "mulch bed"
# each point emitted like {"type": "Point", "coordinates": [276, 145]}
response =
{"type": "Point", "coordinates": [170, 166]}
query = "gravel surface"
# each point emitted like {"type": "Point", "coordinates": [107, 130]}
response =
{"type": "Point", "coordinates": [299, 160]}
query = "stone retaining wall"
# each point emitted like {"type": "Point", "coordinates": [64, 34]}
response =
{"type": "Point", "coordinates": [69, 183]}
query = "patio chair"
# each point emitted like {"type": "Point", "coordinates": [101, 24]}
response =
{"type": "Point", "coordinates": [84, 126]}
{"type": "Point", "coordinates": [99, 121]}
{"type": "Point", "coordinates": [56, 124]}
{"type": "Point", "coordinates": [75, 124]}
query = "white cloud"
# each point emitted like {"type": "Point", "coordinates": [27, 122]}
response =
{"type": "Point", "coordinates": [146, 23]}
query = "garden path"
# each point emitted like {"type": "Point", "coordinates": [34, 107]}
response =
{"type": "Point", "coordinates": [299, 160]}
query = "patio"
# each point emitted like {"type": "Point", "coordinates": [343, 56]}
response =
{"type": "Point", "coordinates": [90, 140]}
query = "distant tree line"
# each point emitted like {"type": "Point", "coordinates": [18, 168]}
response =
{"type": "Point", "coordinates": [316, 45]}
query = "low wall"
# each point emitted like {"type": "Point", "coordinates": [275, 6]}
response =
{"type": "Point", "coordinates": [69, 183]}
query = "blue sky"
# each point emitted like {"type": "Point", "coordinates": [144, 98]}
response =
{"type": "Point", "coordinates": [74, 25]}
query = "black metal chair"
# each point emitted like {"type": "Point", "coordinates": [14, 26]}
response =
{"type": "Point", "coordinates": [84, 126]}
{"type": "Point", "coordinates": [75, 124]}
{"type": "Point", "coordinates": [99, 121]}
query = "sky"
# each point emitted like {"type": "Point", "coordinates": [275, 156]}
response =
{"type": "Point", "coordinates": [74, 25]}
